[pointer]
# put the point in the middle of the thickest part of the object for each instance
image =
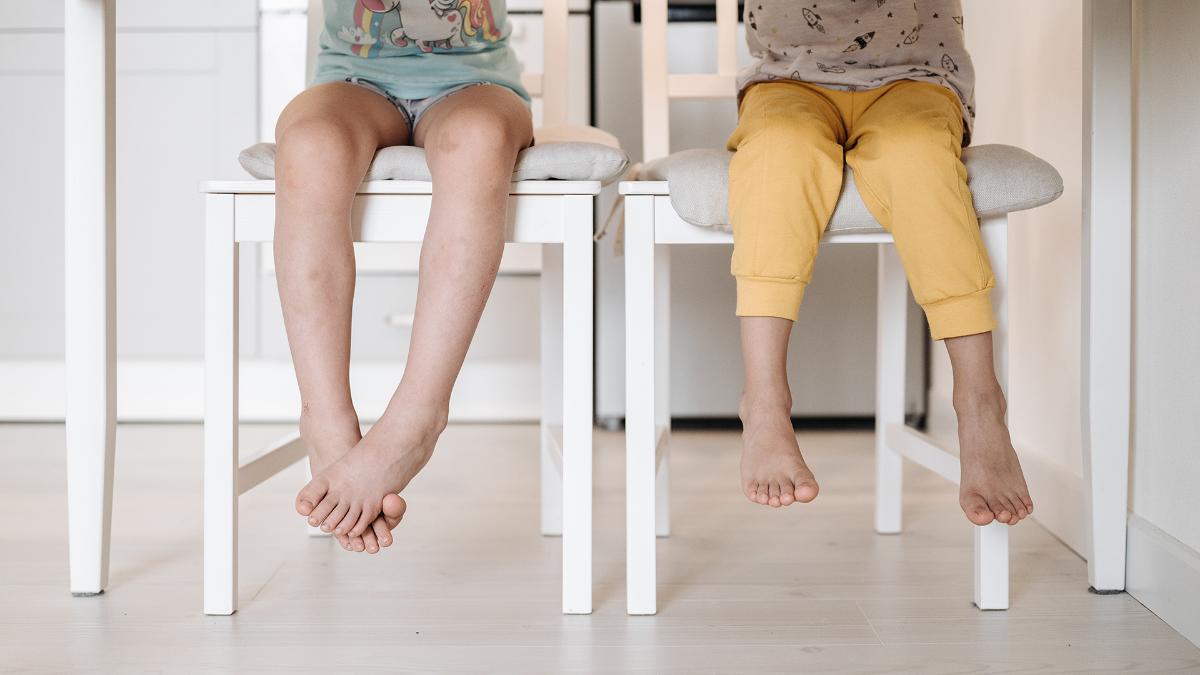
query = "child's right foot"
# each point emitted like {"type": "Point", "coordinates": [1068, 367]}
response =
{"type": "Point", "coordinates": [773, 470]}
{"type": "Point", "coordinates": [328, 435]}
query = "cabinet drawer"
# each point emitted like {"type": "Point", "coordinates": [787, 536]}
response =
{"type": "Point", "coordinates": [383, 309]}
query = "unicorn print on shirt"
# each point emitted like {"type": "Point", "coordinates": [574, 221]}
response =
{"type": "Point", "coordinates": [440, 24]}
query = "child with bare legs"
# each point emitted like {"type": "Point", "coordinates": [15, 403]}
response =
{"type": "Point", "coordinates": [387, 76]}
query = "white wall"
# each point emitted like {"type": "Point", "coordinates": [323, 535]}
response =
{"type": "Point", "coordinates": [1164, 543]}
{"type": "Point", "coordinates": [1028, 64]}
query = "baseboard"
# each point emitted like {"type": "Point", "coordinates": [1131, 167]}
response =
{"type": "Point", "coordinates": [173, 391]}
{"type": "Point", "coordinates": [1164, 575]}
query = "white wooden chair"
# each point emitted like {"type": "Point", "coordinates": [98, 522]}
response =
{"type": "Point", "coordinates": [558, 214]}
{"type": "Point", "coordinates": [1003, 179]}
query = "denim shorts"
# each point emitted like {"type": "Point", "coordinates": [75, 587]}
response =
{"type": "Point", "coordinates": [413, 109]}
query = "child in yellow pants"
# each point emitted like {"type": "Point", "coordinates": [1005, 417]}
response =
{"type": "Point", "coordinates": [887, 90]}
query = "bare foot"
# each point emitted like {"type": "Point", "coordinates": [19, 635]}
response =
{"type": "Point", "coordinates": [349, 495]}
{"type": "Point", "coordinates": [328, 435]}
{"type": "Point", "coordinates": [773, 470]}
{"type": "Point", "coordinates": [992, 485]}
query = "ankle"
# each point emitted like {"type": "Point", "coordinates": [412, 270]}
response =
{"type": "Point", "coordinates": [983, 400]}
{"type": "Point", "coordinates": [420, 424]}
{"type": "Point", "coordinates": [311, 410]}
{"type": "Point", "coordinates": [774, 400]}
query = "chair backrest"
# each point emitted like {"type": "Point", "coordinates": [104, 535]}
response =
{"type": "Point", "coordinates": [550, 85]}
{"type": "Point", "coordinates": [659, 85]}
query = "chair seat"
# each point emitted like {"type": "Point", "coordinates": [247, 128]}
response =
{"type": "Point", "coordinates": [574, 154]}
{"type": "Point", "coordinates": [1003, 179]}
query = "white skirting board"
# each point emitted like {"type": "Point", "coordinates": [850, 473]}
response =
{"type": "Point", "coordinates": [1164, 575]}
{"type": "Point", "coordinates": [173, 391]}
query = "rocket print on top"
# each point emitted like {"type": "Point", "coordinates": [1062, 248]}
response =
{"type": "Point", "coordinates": [860, 44]}
{"type": "Point", "coordinates": [425, 24]}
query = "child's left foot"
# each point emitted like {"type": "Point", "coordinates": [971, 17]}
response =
{"type": "Point", "coordinates": [992, 485]}
{"type": "Point", "coordinates": [773, 470]}
{"type": "Point", "coordinates": [350, 494]}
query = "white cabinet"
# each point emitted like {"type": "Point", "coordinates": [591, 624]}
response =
{"type": "Point", "coordinates": [186, 102]}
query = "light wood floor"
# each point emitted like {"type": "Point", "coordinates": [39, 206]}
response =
{"type": "Point", "coordinates": [472, 587]}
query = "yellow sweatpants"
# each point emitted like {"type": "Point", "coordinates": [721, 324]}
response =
{"type": "Point", "coordinates": [904, 144]}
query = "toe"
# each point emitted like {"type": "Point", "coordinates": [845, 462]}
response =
{"type": "Point", "coordinates": [773, 495]}
{"type": "Point", "coordinates": [347, 523]}
{"type": "Point", "coordinates": [311, 495]}
{"type": "Point", "coordinates": [1007, 507]}
{"type": "Point", "coordinates": [1001, 513]}
{"type": "Point", "coordinates": [357, 545]}
{"type": "Point", "coordinates": [335, 517]}
{"type": "Point", "coordinates": [370, 543]}
{"type": "Point", "coordinates": [344, 541]}
{"type": "Point", "coordinates": [393, 508]}
{"type": "Point", "coordinates": [805, 491]}
{"type": "Point", "coordinates": [321, 512]}
{"type": "Point", "coordinates": [751, 491]}
{"type": "Point", "coordinates": [1019, 505]}
{"type": "Point", "coordinates": [1016, 508]}
{"type": "Point", "coordinates": [787, 493]}
{"type": "Point", "coordinates": [977, 510]}
{"type": "Point", "coordinates": [383, 533]}
{"type": "Point", "coordinates": [363, 526]}
{"type": "Point", "coordinates": [763, 493]}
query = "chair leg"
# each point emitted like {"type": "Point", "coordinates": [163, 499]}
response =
{"type": "Point", "coordinates": [890, 355]}
{"type": "Point", "coordinates": [552, 388]}
{"type": "Point", "coordinates": [991, 541]}
{"type": "Point", "coordinates": [220, 408]}
{"type": "Point", "coordinates": [641, 375]}
{"type": "Point", "coordinates": [577, 317]}
{"type": "Point", "coordinates": [662, 389]}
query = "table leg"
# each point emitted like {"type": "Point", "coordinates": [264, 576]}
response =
{"type": "Point", "coordinates": [90, 245]}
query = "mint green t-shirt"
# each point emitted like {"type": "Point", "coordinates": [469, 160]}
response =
{"type": "Point", "coordinates": [415, 49]}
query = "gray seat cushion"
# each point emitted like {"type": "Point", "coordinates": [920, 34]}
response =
{"type": "Point", "coordinates": [1002, 178]}
{"type": "Point", "coordinates": [571, 160]}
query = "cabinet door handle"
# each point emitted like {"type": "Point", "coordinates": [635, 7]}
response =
{"type": "Point", "coordinates": [398, 320]}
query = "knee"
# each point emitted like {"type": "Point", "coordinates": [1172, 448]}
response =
{"type": "Point", "coordinates": [918, 141]}
{"type": "Point", "coordinates": [319, 142]}
{"type": "Point", "coordinates": [781, 135]}
{"type": "Point", "coordinates": [481, 132]}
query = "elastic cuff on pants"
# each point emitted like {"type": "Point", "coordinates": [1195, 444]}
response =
{"type": "Point", "coordinates": [768, 296]}
{"type": "Point", "coordinates": [963, 315]}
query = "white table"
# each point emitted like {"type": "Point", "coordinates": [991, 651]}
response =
{"type": "Point", "coordinates": [90, 244]}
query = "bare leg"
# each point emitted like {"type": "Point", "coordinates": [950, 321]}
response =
{"type": "Point", "coordinates": [471, 141]}
{"type": "Point", "coordinates": [992, 485]}
{"type": "Point", "coordinates": [773, 470]}
{"type": "Point", "coordinates": [326, 139]}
